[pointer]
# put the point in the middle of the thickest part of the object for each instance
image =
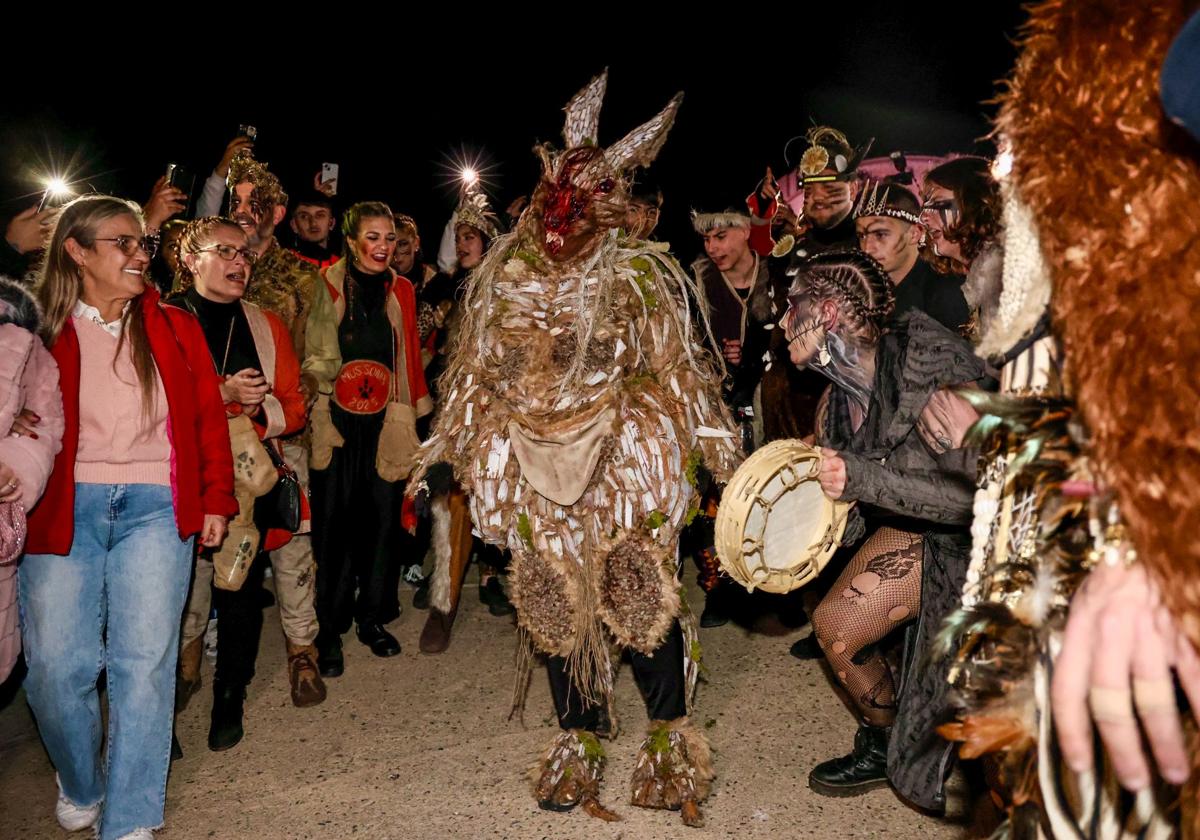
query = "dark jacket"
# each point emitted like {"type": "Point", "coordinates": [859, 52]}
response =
{"type": "Point", "coordinates": [939, 296]}
{"type": "Point", "coordinates": [897, 480]}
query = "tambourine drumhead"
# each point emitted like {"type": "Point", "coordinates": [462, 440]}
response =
{"type": "Point", "coordinates": [776, 529]}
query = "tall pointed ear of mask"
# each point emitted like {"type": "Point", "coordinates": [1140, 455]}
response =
{"type": "Point", "coordinates": [583, 113]}
{"type": "Point", "coordinates": [641, 146]}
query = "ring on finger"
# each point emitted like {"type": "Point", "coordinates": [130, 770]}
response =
{"type": "Point", "coordinates": [1111, 705]}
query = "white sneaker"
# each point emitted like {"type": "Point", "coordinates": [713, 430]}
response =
{"type": "Point", "coordinates": [138, 834]}
{"type": "Point", "coordinates": [71, 816]}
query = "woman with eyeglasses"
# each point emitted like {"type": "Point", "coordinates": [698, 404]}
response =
{"type": "Point", "coordinates": [260, 386]}
{"type": "Point", "coordinates": [961, 212]}
{"type": "Point", "coordinates": [144, 471]}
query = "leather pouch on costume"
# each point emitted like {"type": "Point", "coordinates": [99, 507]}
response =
{"type": "Point", "coordinates": [559, 464]}
{"type": "Point", "coordinates": [396, 454]}
{"type": "Point", "coordinates": [231, 562]}
{"type": "Point", "coordinates": [254, 475]}
{"type": "Point", "coordinates": [325, 436]}
{"type": "Point", "coordinates": [252, 467]}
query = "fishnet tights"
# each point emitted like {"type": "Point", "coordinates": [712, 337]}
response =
{"type": "Point", "coordinates": [879, 590]}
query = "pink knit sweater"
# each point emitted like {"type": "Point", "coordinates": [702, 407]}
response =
{"type": "Point", "coordinates": [115, 446]}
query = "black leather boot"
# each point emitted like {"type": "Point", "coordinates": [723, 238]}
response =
{"type": "Point", "coordinates": [226, 728]}
{"type": "Point", "coordinates": [863, 770]}
{"type": "Point", "coordinates": [807, 648]}
{"type": "Point", "coordinates": [718, 606]}
{"type": "Point", "coordinates": [331, 661]}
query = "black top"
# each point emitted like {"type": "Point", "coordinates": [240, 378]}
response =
{"type": "Point", "coordinates": [819, 240]}
{"type": "Point", "coordinates": [314, 251]}
{"type": "Point", "coordinates": [939, 296]}
{"type": "Point", "coordinates": [224, 325]}
{"type": "Point", "coordinates": [365, 332]}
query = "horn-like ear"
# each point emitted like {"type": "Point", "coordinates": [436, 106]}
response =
{"type": "Point", "coordinates": [641, 146]}
{"type": "Point", "coordinates": [583, 113]}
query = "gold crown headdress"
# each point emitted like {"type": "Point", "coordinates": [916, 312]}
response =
{"type": "Point", "coordinates": [475, 210]}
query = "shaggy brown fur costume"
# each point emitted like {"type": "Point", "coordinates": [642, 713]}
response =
{"type": "Point", "coordinates": [1123, 243]}
{"type": "Point", "coordinates": [569, 775]}
{"type": "Point", "coordinates": [674, 770]}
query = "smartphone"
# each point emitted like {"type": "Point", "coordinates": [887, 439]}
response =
{"type": "Point", "coordinates": [329, 175]}
{"type": "Point", "coordinates": [248, 131]}
{"type": "Point", "coordinates": [182, 178]}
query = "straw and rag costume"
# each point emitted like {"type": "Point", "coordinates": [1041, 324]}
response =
{"type": "Point", "coordinates": [1092, 451]}
{"type": "Point", "coordinates": [578, 409]}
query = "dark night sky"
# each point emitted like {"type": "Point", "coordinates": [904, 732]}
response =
{"type": "Point", "coordinates": [913, 78]}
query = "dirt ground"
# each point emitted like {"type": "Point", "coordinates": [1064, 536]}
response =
{"type": "Point", "coordinates": [419, 747]}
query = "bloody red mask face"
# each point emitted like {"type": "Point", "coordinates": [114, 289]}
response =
{"type": "Point", "coordinates": [569, 216]}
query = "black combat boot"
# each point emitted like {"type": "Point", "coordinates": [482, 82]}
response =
{"type": "Point", "coordinates": [226, 728]}
{"type": "Point", "coordinates": [863, 770]}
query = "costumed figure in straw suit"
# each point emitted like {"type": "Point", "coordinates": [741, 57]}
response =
{"type": "Point", "coordinates": [579, 412]}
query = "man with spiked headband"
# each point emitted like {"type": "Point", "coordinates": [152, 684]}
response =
{"type": "Point", "coordinates": [887, 219]}
{"type": "Point", "coordinates": [579, 409]}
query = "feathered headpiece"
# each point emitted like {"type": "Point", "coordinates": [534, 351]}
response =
{"type": "Point", "coordinates": [475, 210]}
{"type": "Point", "coordinates": [704, 223]}
{"type": "Point", "coordinates": [828, 148]}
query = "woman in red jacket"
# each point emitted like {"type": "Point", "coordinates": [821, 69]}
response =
{"type": "Point", "coordinates": [145, 467]}
{"type": "Point", "coordinates": [254, 356]}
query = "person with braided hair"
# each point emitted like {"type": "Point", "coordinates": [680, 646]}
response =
{"type": "Point", "coordinates": [912, 505]}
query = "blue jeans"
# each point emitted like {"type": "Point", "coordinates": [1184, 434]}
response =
{"type": "Point", "coordinates": [113, 603]}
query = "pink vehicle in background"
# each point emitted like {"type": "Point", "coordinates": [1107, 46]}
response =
{"type": "Point", "coordinates": [906, 168]}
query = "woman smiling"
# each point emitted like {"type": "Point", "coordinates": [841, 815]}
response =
{"type": "Point", "coordinates": [145, 467]}
{"type": "Point", "coordinates": [364, 433]}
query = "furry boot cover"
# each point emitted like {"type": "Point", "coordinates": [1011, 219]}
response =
{"type": "Point", "coordinates": [569, 775]}
{"type": "Point", "coordinates": [439, 583]}
{"type": "Point", "coordinates": [674, 769]}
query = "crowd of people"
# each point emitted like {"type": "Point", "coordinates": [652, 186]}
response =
{"type": "Point", "coordinates": [555, 398]}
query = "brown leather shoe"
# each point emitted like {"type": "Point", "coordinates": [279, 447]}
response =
{"type": "Point", "coordinates": [308, 689]}
{"type": "Point", "coordinates": [435, 635]}
{"type": "Point", "coordinates": [188, 682]}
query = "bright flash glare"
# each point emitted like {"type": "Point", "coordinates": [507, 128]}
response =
{"type": "Point", "coordinates": [57, 186]}
{"type": "Point", "coordinates": [469, 175]}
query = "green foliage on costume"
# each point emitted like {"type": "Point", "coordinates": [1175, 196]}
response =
{"type": "Point", "coordinates": [659, 740]}
{"type": "Point", "coordinates": [692, 512]}
{"type": "Point", "coordinates": [593, 750]}
{"type": "Point", "coordinates": [525, 530]}
{"type": "Point", "coordinates": [655, 520]}
{"type": "Point", "coordinates": [645, 281]}
{"type": "Point", "coordinates": [696, 654]}
{"type": "Point", "coordinates": [692, 466]}
{"type": "Point", "coordinates": [528, 257]}
{"type": "Point", "coordinates": [638, 380]}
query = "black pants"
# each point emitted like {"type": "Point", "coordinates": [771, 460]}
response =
{"type": "Point", "coordinates": [239, 627]}
{"type": "Point", "coordinates": [659, 676]}
{"type": "Point", "coordinates": [356, 531]}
